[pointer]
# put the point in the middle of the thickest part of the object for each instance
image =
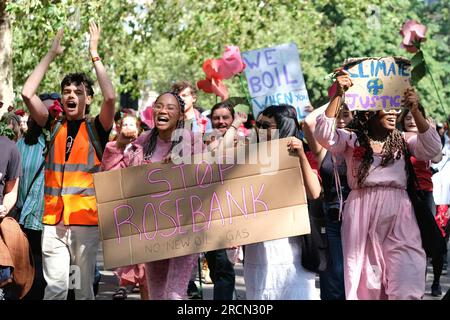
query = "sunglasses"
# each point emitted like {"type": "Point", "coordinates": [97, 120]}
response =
{"type": "Point", "coordinates": [263, 124]}
{"type": "Point", "coordinates": [50, 96]}
{"type": "Point", "coordinates": [394, 111]}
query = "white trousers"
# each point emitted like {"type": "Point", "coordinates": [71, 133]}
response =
{"type": "Point", "coordinates": [69, 255]}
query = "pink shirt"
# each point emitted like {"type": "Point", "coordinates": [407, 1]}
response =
{"type": "Point", "coordinates": [115, 158]}
{"type": "Point", "coordinates": [424, 146]}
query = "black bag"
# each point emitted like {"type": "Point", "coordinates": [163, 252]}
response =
{"type": "Point", "coordinates": [432, 240]}
{"type": "Point", "coordinates": [15, 213]}
{"type": "Point", "coordinates": [315, 251]}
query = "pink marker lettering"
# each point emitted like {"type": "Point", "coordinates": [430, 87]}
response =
{"type": "Point", "coordinates": [169, 217]}
{"type": "Point", "coordinates": [179, 215]}
{"type": "Point", "coordinates": [196, 212]}
{"type": "Point", "coordinates": [162, 194]}
{"type": "Point", "coordinates": [230, 197]}
{"type": "Point", "coordinates": [257, 200]}
{"type": "Point", "coordinates": [222, 169]}
{"type": "Point", "coordinates": [126, 221]}
{"type": "Point", "coordinates": [214, 198]}
{"type": "Point", "coordinates": [180, 166]}
{"type": "Point", "coordinates": [208, 169]}
{"type": "Point", "coordinates": [144, 222]}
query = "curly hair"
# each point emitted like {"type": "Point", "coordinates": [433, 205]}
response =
{"type": "Point", "coordinates": [394, 144]}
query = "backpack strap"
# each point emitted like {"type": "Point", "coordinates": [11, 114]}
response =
{"type": "Point", "coordinates": [94, 137]}
{"type": "Point", "coordinates": [51, 136]}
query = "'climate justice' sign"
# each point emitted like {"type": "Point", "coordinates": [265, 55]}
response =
{"type": "Point", "coordinates": [378, 83]}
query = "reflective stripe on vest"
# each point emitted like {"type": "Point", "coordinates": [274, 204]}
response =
{"type": "Point", "coordinates": [70, 190]}
{"type": "Point", "coordinates": [69, 186]}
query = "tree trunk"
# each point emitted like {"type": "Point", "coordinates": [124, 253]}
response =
{"type": "Point", "coordinates": [6, 82]}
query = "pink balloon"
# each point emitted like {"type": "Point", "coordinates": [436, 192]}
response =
{"type": "Point", "coordinates": [147, 116]}
{"type": "Point", "coordinates": [215, 86]}
{"type": "Point", "coordinates": [231, 63]}
{"type": "Point", "coordinates": [211, 68]}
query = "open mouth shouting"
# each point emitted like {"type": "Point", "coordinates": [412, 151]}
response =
{"type": "Point", "coordinates": [71, 105]}
{"type": "Point", "coordinates": [162, 120]}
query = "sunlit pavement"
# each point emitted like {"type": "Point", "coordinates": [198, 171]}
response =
{"type": "Point", "coordinates": [108, 284]}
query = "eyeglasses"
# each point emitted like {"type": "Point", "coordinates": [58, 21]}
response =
{"type": "Point", "coordinates": [395, 111]}
{"type": "Point", "coordinates": [50, 96]}
{"type": "Point", "coordinates": [264, 125]}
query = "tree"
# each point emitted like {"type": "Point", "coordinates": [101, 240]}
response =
{"type": "Point", "coordinates": [162, 41]}
{"type": "Point", "coordinates": [6, 88]}
{"type": "Point", "coordinates": [371, 28]}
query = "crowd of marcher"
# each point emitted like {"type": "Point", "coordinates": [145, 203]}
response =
{"type": "Point", "coordinates": [358, 168]}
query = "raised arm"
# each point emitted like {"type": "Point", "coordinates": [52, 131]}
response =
{"type": "Point", "coordinates": [426, 145]}
{"type": "Point", "coordinates": [335, 140]}
{"type": "Point", "coordinates": [37, 109]}
{"type": "Point", "coordinates": [310, 179]}
{"type": "Point", "coordinates": [343, 82]}
{"type": "Point", "coordinates": [228, 139]}
{"type": "Point", "coordinates": [310, 126]}
{"type": "Point", "coordinates": [230, 135]}
{"type": "Point", "coordinates": [109, 97]}
{"type": "Point", "coordinates": [411, 101]}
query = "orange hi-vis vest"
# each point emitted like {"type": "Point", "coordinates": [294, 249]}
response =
{"type": "Point", "coordinates": [69, 185]}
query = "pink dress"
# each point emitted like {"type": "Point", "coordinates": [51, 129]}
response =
{"type": "Point", "coordinates": [383, 254]}
{"type": "Point", "coordinates": [113, 159]}
{"type": "Point", "coordinates": [167, 279]}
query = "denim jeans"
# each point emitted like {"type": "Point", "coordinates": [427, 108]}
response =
{"type": "Point", "coordinates": [222, 274]}
{"type": "Point", "coordinates": [332, 279]}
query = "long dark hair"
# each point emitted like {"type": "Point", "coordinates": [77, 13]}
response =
{"type": "Point", "coordinates": [31, 136]}
{"type": "Point", "coordinates": [285, 118]}
{"type": "Point", "coordinates": [149, 147]}
{"type": "Point", "coordinates": [393, 148]}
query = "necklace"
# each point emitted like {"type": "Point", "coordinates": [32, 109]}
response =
{"type": "Point", "coordinates": [378, 141]}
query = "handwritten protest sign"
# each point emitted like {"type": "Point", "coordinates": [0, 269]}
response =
{"type": "Point", "coordinates": [274, 76]}
{"type": "Point", "coordinates": [378, 83]}
{"type": "Point", "coordinates": [158, 211]}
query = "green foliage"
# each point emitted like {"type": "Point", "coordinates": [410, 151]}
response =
{"type": "Point", "coordinates": [6, 131]}
{"type": "Point", "coordinates": [163, 41]}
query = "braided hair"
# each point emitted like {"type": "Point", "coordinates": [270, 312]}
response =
{"type": "Point", "coordinates": [150, 146]}
{"type": "Point", "coordinates": [393, 148]}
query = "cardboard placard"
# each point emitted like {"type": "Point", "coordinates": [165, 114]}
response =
{"type": "Point", "coordinates": [378, 83]}
{"type": "Point", "coordinates": [274, 76]}
{"type": "Point", "coordinates": [158, 211]}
